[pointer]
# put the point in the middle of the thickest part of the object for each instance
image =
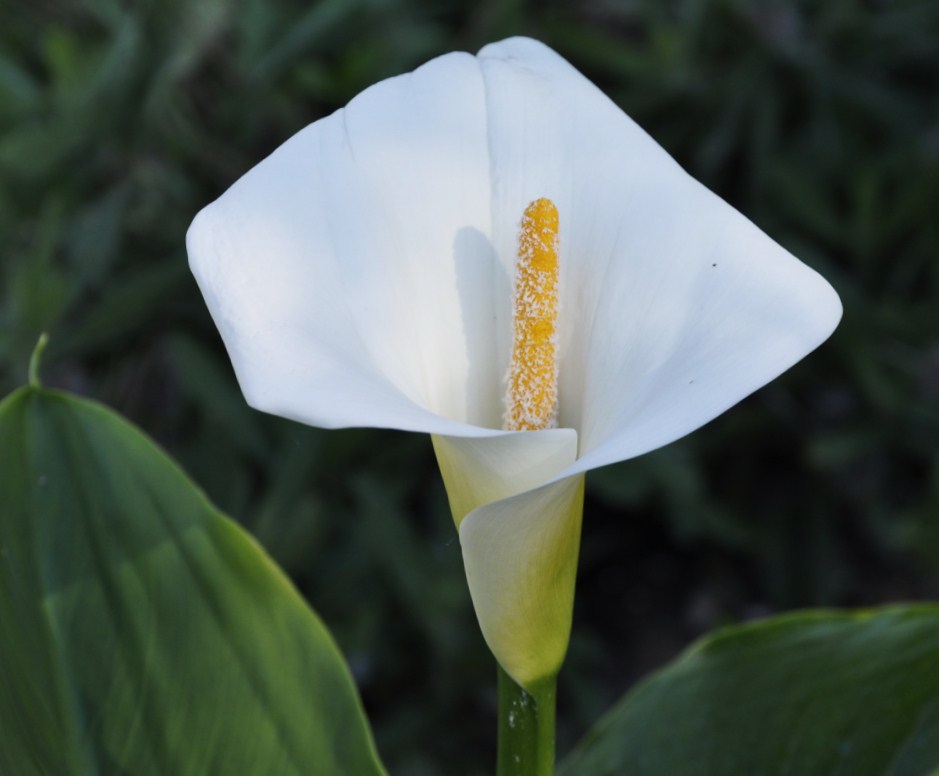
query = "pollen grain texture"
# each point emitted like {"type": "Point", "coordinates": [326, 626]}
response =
{"type": "Point", "coordinates": [532, 396]}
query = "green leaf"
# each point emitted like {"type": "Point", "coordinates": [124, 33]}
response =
{"type": "Point", "coordinates": [143, 632]}
{"type": "Point", "coordinates": [816, 693]}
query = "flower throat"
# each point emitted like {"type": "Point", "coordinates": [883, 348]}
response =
{"type": "Point", "coordinates": [532, 395]}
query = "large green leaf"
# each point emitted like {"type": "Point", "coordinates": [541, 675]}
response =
{"type": "Point", "coordinates": [805, 694]}
{"type": "Point", "coordinates": [143, 632]}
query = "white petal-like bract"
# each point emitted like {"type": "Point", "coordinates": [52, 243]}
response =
{"type": "Point", "coordinates": [361, 276]}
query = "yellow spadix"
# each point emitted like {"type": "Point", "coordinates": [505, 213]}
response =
{"type": "Point", "coordinates": [532, 396]}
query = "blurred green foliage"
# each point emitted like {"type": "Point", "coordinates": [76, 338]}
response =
{"type": "Point", "coordinates": [820, 121]}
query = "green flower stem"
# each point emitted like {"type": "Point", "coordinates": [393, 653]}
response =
{"type": "Point", "coordinates": [526, 728]}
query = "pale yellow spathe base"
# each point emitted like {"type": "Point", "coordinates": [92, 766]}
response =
{"type": "Point", "coordinates": [478, 471]}
{"type": "Point", "coordinates": [520, 542]}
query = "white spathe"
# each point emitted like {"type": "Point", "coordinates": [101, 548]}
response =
{"type": "Point", "coordinates": [361, 276]}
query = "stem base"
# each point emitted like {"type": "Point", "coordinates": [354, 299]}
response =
{"type": "Point", "coordinates": [526, 728]}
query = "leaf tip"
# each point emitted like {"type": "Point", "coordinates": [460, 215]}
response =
{"type": "Point", "coordinates": [35, 359]}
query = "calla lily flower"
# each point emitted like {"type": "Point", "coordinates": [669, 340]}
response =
{"type": "Point", "coordinates": [362, 275]}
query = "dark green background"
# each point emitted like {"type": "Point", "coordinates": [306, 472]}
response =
{"type": "Point", "coordinates": [820, 121]}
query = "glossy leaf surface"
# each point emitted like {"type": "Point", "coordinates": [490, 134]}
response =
{"type": "Point", "coordinates": [812, 694]}
{"type": "Point", "coordinates": [143, 632]}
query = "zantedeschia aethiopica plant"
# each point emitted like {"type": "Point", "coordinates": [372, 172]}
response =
{"type": "Point", "coordinates": [366, 274]}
